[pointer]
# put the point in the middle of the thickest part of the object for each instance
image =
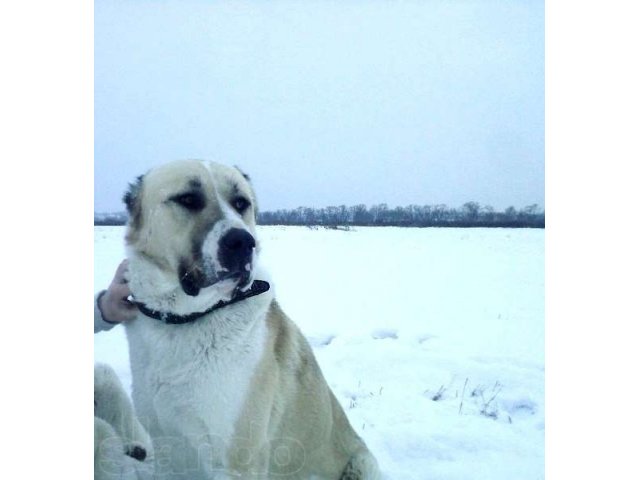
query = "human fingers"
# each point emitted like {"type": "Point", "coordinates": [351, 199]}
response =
{"type": "Point", "coordinates": [121, 291]}
{"type": "Point", "coordinates": [121, 271]}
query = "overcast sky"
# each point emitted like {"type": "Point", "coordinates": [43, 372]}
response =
{"type": "Point", "coordinates": [326, 103]}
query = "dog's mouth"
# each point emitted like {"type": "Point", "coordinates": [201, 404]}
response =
{"type": "Point", "coordinates": [241, 279]}
{"type": "Point", "coordinates": [194, 278]}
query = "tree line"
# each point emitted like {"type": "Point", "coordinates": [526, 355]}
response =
{"type": "Point", "coordinates": [471, 214]}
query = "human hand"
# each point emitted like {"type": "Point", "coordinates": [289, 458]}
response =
{"type": "Point", "coordinates": [113, 305]}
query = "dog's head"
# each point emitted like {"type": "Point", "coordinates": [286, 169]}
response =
{"type": "Point", "coordinates": [191, 235]}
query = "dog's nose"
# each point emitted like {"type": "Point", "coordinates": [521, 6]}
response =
{"type": "Point", "coordinates": [236, 247]}
{"type": "Point", "coordinates": [238, 240]}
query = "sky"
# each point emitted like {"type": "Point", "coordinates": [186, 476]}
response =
{"type": "Point", "coordinates": [326, 103]}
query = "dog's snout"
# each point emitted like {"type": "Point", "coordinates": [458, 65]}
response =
{"type": "Point", "coordinates": [236, 248]}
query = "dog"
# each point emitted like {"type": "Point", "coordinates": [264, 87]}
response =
{"type": "Point", "coordinates": [224, 382]}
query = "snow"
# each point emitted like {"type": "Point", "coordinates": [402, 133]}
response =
{"type": "Point", "coordinates": [431, 339]}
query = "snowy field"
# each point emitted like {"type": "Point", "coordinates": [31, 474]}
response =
{"type": "Point", "coordinates": [432, 339]}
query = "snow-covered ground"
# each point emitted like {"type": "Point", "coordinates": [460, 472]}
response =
{"type": "Point", "coordinates": [432, 339]}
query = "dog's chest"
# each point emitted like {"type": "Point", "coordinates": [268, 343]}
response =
{"type": "Point", "coordinates": [192, 386]}
{"type": "Point", "coordinates": [206, 397]}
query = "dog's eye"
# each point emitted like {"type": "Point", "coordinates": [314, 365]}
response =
{"type": "Point", "coordinates": [191, 201]}
{"type": "Point", "coordinates": [240, 204]}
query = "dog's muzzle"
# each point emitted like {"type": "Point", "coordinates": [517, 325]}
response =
{"type": "Point", "coordinates": [235, 259]}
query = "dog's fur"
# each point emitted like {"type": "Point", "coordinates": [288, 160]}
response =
{"type": "Point", "coordinates": [237, 393]}
{"type": "Point", "coordinates": [122, 448]}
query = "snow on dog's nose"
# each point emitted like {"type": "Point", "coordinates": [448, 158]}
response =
{"type": "Point", "coordinates": [235, 251]}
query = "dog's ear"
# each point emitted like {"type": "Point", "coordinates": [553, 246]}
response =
{"type": "Point", "coordinates": [131, 199]}
{"type": "Point", "coordinates": [246, 177]}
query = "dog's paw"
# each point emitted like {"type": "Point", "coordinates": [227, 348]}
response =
{"type": "Point", "coordinates": [136, 451]}
{"type": "Point", "coordinates": [112, 404]}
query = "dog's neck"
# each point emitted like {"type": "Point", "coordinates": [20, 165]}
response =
{"type": "Point", "coordinates": [258, 287]}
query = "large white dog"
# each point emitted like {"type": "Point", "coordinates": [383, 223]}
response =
{"type": "Point", "coordinates": [223, 381]}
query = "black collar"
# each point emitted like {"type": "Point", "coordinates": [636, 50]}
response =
{"type": "Point", "coordinates": [258, 287]}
